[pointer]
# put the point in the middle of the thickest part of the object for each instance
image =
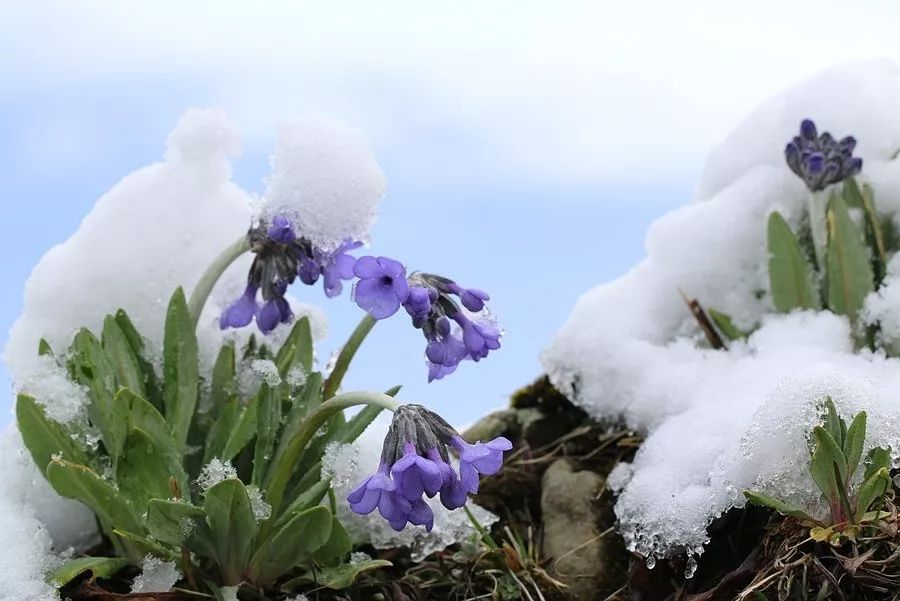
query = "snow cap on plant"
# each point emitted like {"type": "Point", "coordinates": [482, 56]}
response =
{"type": "Point", "coordinates": [453, 332]}
{"type": "Point", "coordinates": [415, 462]}
{"type": "Point", "coordinates": [819, 159]}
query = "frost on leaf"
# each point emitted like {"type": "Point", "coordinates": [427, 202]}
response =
{"type": "Point", "coordinates": [157, 576]}
{"type": "Point", "coordinates": [214, 472]}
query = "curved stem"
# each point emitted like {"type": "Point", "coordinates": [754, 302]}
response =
{"type": "Point", "coordinates": [309, 428]}
{"type": "Point", "coordinates": [213, 273]}
{"type": "Point", "coordinates": [346, 355]}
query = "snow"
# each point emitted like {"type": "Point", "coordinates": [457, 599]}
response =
{"type": "Point", "coordinates": [325, 177]}
{"type": "Point", "coordinates": [157, 576]}
{"type": "Point", "coordinates": [214, 472]}
{"type": "Point", "coordinates": [450, 527]}
{"type": "Point", "coordinates": [261, 510]}
{"type": "Point", "coordinates": [267, 370]}
{"type": "Point", "coordinates": [717, 422]}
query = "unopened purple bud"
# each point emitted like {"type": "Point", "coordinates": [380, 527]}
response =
{"type": "Point", "coordinates": [308, 271]}
{"type": "Point", "coordinates": [815, 163]}
{"type": "Point", "coordinates": [473, 299]}
{"type": "Point", "coordinates": [808, 129]}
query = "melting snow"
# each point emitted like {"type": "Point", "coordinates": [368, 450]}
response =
{"type": "Point", "coordinates": [157, 576]}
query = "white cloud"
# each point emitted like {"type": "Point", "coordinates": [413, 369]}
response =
{"type": "Point", "coordinates": [581, 91]}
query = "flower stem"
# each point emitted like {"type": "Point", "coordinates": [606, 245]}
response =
{"type": "Point", "coordinates": [213, 273]}
{"type": "Point", "coordinates": [818, 226]}
{"type": "Point", "coordinates": [308, 429]}
{"type": "Point", "coordinates": [346, 355]}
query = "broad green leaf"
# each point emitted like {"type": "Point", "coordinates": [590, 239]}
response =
{"type": "Point", "coordinates": [113, 508]}
{"type": "Point", "coordinates": [338, 545]}
{"type": "Point", "coordinates": [853, 196]}
{"type": "Point", "coordinates": [826, 455]}
{"type": "Point", "coordinates": [306, 401]}
{"type": "Point", "coordinates": [43, 437]}
{"type": "Point", "coordinates": [221, 430]}
{"type": "Point", "coordinates": [310, 497]}
{"type": "Point", "coordinates": [848, 271]}
{"type": "Point", "coordinates": [302, 535]}
{"type": "Point", "coordinates": [338, 577]}
{"type": "Point", "coordinates": [790, 278]}
{"type": "Point", "coordinates": [172, 522]}
{"type": "Point", "coordinates": [876, 459]}
{"type": "Point", "coordinates": [136, 342]}
{"type": "Point", "coordinates": [180, 367]}
{"type": "Point", "coordinates": [100, 567]}
{"type": "Point", "coordinates": [147, 546]}
{"type": "Point", "coordinates": [145, 469]}
{"type": "Point", "coordinates": [120, 353]}
{"type": "Point", "coordinates": [779, 506]}
{"type": "Point", "coordinates": [872, 488]}
{"type": "Point", "coordinates": [232, 527]}
{"type": "Point", "coordinates": [297, 350]}
{"type": "Point", "coordinates": [268, 422]}
{"type": "Point", "coordinates": [853, 443]}
{"type": "Point", "coordinates": [243, 433]}
{"type": "Point", "coordinates": [93, 369]}
{"type": "Point", "coordinates": [726, 325]}
{"type": "Point", "coordinates": [865, 201]}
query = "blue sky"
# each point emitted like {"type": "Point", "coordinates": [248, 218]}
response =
{"type": "Point", "coordinates": [527, 146]}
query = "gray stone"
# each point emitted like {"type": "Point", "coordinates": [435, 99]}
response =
{"type": "Point", "coordinates": [572, 538]}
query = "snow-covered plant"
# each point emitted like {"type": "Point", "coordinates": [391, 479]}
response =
{"type": "Point", "coordinates": [842, 254]}
{"type": "Point", "coordinates": [835, 455]}
{"type": "Point", "coordinates": [193, 469]}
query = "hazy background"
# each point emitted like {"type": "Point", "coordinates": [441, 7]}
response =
{"type": "Point", "coordinates": [528, 145]}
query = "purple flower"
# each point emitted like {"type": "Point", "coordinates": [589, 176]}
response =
{"type": "Point", "coordinates": [242, 311]}
{"type": "Point", "coordinates": [485, 458]}
{"type": "Point", "coordinates": [418, 304]}
{"type": "Point", "coordinates": [282, 230]}
{"type": "Point", "coordinates": [337, 266]}
{"type": "Point", "coordinates": [420, 514]}
{"type": "Point", "coordinates": [415, 474]}
{"type": "Point", "coordinates": [308, 270]}
{"type": "Point", "coordinates": [274, 311]}
{"type": "Point", "coordinates": [379, 491]}
{"type": "Point", "coordinates": [382, 286]}
{"type": "Point", "coordinates": [436, 371]}
{"type": "Point", "coordinates": [480, 338]}
{"type": "Point", "coordinates": [819, 159]}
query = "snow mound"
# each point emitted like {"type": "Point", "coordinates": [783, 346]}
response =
{"type": "Point", "coordinates": [325, 177]}
{"type": "Point", "coordinates": [348, 466]}
{"type": "Point", "coordinates": [717, 422]}
{"type": "Point", "coordinates": [157, 576]}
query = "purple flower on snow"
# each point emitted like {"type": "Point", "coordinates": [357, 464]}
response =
{"type": "Point", "coordinates": [382, 286]}
{"type": "Point", "coordinates": [415, 474]}
{"type": "Point", "coordinates": [379, 491]}
{"type": "Point", "coordinates": [819, 159]}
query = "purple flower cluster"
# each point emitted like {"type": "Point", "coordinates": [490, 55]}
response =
{"type": "Point", "coordinates": [819, 159]}
{"type": "Point", "coordinates": [280, 257]}
{"type": "Point", "coordinates": [415, 464]}
{"type": "Point", "coordinates": [452, 334]}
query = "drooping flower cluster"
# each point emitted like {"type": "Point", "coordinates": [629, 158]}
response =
{"type": "Point", "coordinates": [453, 332]}
{"type": "Point", "coordinates": [280, 257]}
{"type": "Point", "coordinates": [819, 159]}
{"type": "Point", "coordinates": [415, 463]}
{"type": "Point", "coordinates": [454, 320]}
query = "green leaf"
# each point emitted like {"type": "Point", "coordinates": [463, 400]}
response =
{"type": "Point", "coordinates": [848, 270]}
{"type": "Point", "coordinates": [877, 458]}
{"type": "Point", "coordinates": [338, 545]}
{"type": "Point", "coordinates": [136, 342]}
{"type": "Point", "coordinates": [119, 351]}
{"type": "Point", "coordinates": [297, 350]}
{"type": "Point", "coordinates": [42, 436]}
{"type": "Point", "coordinates": [44, 348]}
{"type": "Point", "coordinates": [223, 387]}
{"type": "Point", "coordinates": [779, 506]}
{"type": "Point", "coordinates": [790, 278]}
{"type": "Point", "coordinates": [221, 430]}
{"type": "Point", "coordinates": [145, 469]}
{"type": "Point", "coordinates": [872, 488]}
{"type": "Point", "coordinates": [726, 325]}
{"type": "Point", "coordinates": [853, 443]}
{"type": "Point", "coordinates": [146, 546]}
{"type": "Point", "coordinates": [826, 456]}
{"type": "Point", "coordinates": [93, 369]}
{"type": "Point", "coordinates": [113, 508]}
{"type": "Point", "coordinates": [303, 534]}
{"type": "Point", "coordinates": [308, 399]}
{"type": "Point", "coordinates": [242, 434]}
{"type": "Point", "coordinates": [180, 368]}
{"type": "Point", "coordinates": [100, 567]}
{"type": "Point", "coordinates": [171, 522]}
{"type": "Point", "coordinates": [338, 577]}
{"type": "Point", "coordinates": [852, 194]}
{"type": "Point", "coordinates": [864, 200]}
{"type": "Point", "coordinates": [268, 422]}
{"type": "Point", "coordinates": [833, 422]}
{"type": "Point", "coordinates": [310, 497]}
{"type": "Point", "coordinates": [232, 527]}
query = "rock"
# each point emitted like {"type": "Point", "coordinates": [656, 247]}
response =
{"type": "Point", "coordinates": [500, 423]}
{"type": "Point", "coordinates": [578, 554]}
